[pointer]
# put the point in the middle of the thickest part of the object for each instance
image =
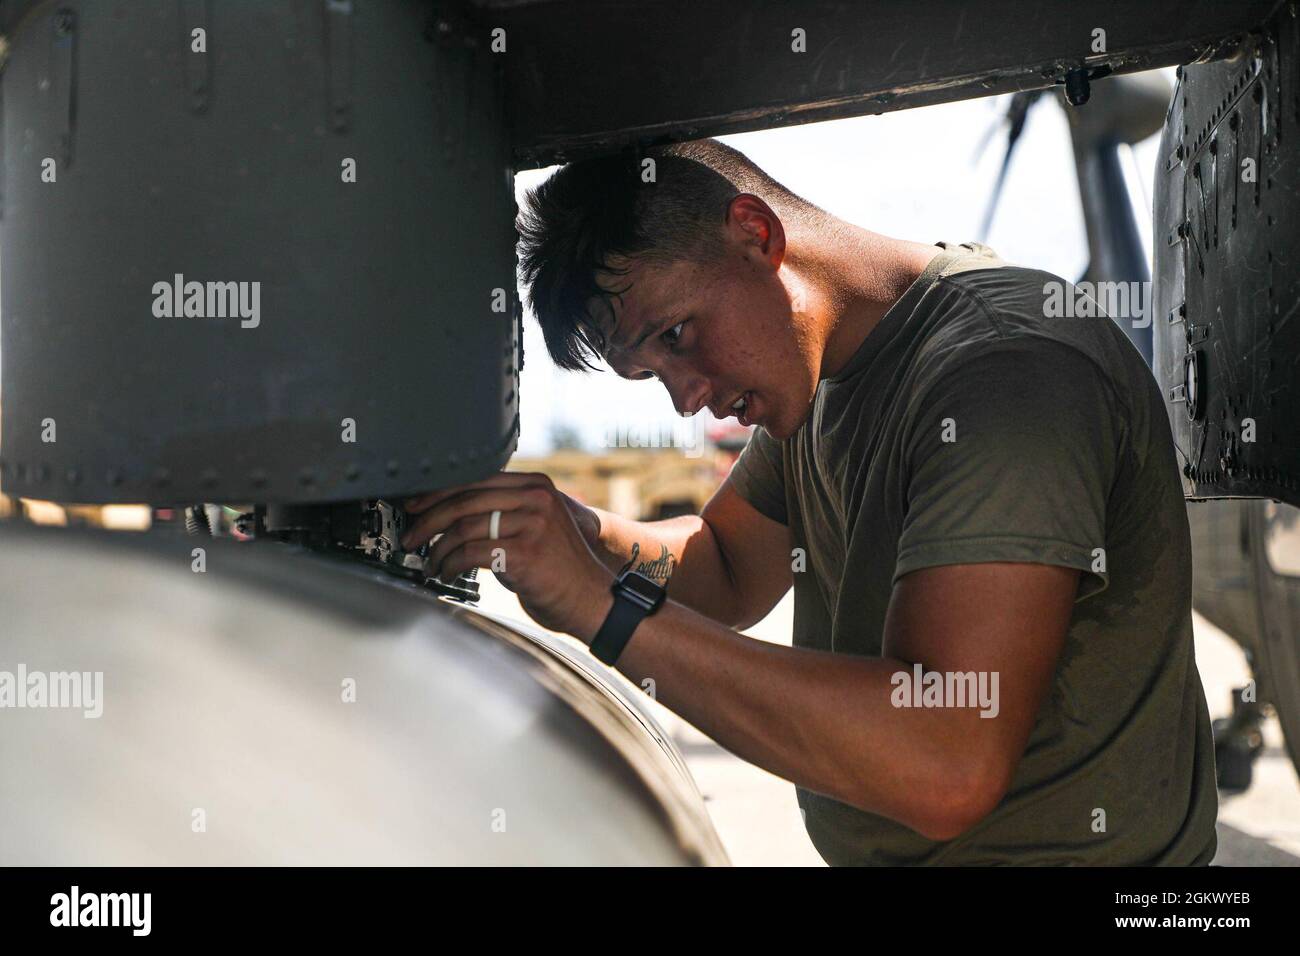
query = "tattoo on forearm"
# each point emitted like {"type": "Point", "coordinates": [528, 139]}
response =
{"type": "Point", "coordinates": [660, 569]}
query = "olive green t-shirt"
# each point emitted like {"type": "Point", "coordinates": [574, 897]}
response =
{"type": "Point", "coordinates": [970, 427]}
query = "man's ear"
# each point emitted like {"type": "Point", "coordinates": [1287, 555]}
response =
{"type": "Point", "coordinates": [753, 225]}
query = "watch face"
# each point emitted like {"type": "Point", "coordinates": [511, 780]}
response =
{"type": "Point", "coordinates": [642, 586]}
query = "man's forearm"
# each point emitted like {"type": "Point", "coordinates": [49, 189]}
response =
{"type": "Point", "coordinates": [823, 721]}
{"type": "Point", "coordinates": [680, 552]}
{"type": "Point", "coordinates": [622, 539]}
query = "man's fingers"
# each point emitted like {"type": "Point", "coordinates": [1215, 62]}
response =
{"type": "Point", "coordinates": [471, 554]}
{"type": "Point", "coordinates": [502, 479]}
{"type": "Point", "coordinates": [472, 528]}
{"type": "Point", "coordinates": [443, 515]}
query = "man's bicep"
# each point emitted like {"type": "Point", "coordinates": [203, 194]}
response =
{"type": "Point", "coordinates": [755, 550]}
{"type": "Point", "coordinates": [1005, 624]}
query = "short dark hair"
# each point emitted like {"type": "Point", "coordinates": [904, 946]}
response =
{"type": "Point", "coordinates": [591, 210]}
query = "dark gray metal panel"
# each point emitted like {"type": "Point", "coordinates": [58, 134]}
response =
{"type": "Point", "coordinates": [465, 743]}
{"type": "Point", "coordinates": [588, 76]}
{"type": "Point", "coordinates": [376, 297]}
{"type": "Point", "coordinates": [1227, 284]}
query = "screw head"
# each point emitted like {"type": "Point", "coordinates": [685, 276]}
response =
{"type": "Point", "coordinates": [1077, 87]}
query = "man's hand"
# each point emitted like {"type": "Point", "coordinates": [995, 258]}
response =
{"type": "Point", "coordinates": [541, 553]}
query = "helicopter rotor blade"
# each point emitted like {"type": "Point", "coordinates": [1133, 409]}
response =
{"type": "Point", "coordinates": [1016, 115]}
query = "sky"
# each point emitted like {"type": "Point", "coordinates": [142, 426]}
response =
{"type": "Point", "coordinates": [914, 174]}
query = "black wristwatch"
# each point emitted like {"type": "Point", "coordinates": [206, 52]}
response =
{"type": "Point", "coordinates": [635, 597]}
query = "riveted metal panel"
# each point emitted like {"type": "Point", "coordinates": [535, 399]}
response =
{"type": "Point", "coordinates": [1227, 293]}
{"type": "Point", "coordinates": [376, 301]}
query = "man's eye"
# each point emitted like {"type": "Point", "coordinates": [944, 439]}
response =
{"type": "Point", "coordinates": [674, 335]}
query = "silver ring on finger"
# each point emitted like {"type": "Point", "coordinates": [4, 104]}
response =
{"type": "Point", "coordinates": [494, 526]}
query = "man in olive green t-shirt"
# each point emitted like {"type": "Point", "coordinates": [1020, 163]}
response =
{"type": "Point", "coordinates": [977, 506]}
{"type": "Point", "coordinates": [1001, 435]}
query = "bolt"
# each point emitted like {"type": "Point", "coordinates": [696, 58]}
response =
{"type": "Point", "coordinates": [1077, 88]}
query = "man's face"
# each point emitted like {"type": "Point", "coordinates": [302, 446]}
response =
{"type": "Point", "coordinates": [716, 332]}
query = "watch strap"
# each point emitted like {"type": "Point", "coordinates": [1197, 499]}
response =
{"type": "Point", "coordinates": [620, 623]}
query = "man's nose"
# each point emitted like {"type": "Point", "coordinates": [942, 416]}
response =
{"type": "Point", "coordinates": [689, 394]}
